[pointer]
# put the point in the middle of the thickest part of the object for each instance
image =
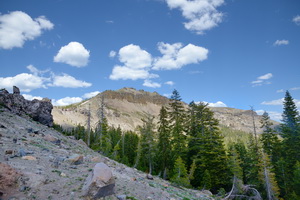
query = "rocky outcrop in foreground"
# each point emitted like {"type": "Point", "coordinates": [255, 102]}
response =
{"type": "Point", "coordinates": [38, 110]}
{"type": "Point", "coordinates": [37, 162]}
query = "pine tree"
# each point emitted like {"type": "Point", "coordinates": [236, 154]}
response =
{"type": "Point", "coordinates": [164, 143]}
{"type": "Point", "coordinates": [290, 130]}
{"type": "Point", "coordinates": [296, 179]}
{"type": "Point", "coordinates": [106, 143]}
{"type": "Point", "coordinates": [147, 144]}
{"type": "Point", "coordinates": [269, 139]}
{"type": "Point", "coordinates": [267, 176]}
{"type": "Point", "coordinates": [206, 147]}
{"type": "Point", "coordinates": [180, 175]}
{"type": "Point", "coordinates": [176, 115]}
{"type": "Point", "coordinates": [206, 181]}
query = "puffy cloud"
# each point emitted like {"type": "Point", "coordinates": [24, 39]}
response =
{"type": "Point", "coordinates": [136, 64]}
{"type": "Point", "coordinates": [18, 27]}
{"type": "Point", "coordinates": [171, 83]}
{"type": "Point", "coordinates": [202, 15]}
{"type": "Point", "coordinates": [149, 83]}
{"type": "Point", "coordinates": [281, 42]}
{"type": "Point", "coordinates": [26, 82]}
{"type": "Point", "coordinates": [134, 57]}
{"type": "Point", "coordinates": [66, 101]}
{"type": "Point", "coordinates": [261, 80]}
{"type": "Point", "coordinates": [30, 97]}
{"type": "Point", "coordinates": [90, 94]}
{"type": "Point", "coordinates": [217, 104]}
{"type": "Point", "coordinates": [175, 56]}
{"type": "Point", "coordinates": [125, 73]}
{"type": "Point", "coordinates": [112, 54]}
{"type": "Point", "coordinates": [297, 20]}
{"type": "Point", "coordinates": [68, 81]}
{"type": "Point", "coordinates": [73, 54]}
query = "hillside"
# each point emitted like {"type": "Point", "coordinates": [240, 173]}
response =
{"type": "Point", "coordinates": [36, 163]}
{"type": "Point", "coordinates": [127, 107]}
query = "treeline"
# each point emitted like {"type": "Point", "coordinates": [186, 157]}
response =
{"type": "Point", "coordinates": [186, 147]}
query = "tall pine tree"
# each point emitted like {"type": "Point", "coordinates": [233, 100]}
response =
{"type": "Point", "coordinates": [164, 143]}
{"type": "Point", "coordinates": [290, 130]}
{"type": "Point", "coordinates": [207, 148]}
{"type": "Point", "coordinates": [176, 114]}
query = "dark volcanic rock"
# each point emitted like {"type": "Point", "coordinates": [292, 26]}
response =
{"type": "Point", "coordinates": [38, 110]}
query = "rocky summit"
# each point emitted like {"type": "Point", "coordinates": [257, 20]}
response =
{"type": "Point", "coordinates": [38, 110]}
{"type": "Point", "coordinates": [37, 162]}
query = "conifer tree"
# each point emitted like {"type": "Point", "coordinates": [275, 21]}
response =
{"type": "Point", "coordinates": [147, 144]}
{"type": "Point", "coordinates": [106, 143]}
{"type": "Point", "coordinates": [269, 139]}
{"type": "Point", "coordinates": [290, 130]}
{"type": "Point", "coordinates": [164, 143]}
{"type": "Point", "coordinates": [180, 175]}
{"type": "Point", "coordinates": [296, 179]}
{"type": "Point", "coordinates": [176, 115]}
{"type": "Point", "coordinates": [268, 178]}
{"type": "Point", "coordinates": [206, 147]}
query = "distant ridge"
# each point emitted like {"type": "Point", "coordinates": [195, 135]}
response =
{"type": "Point", "coordinates": [126, 107]}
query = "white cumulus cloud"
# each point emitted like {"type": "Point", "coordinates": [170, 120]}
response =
{"type": "Point", "coordinates": [24, 81]}
{"type": "Point", "coordinates": [136, 64]}
{"type": "Point", "coordinates": [134, 57]}
{"type": "Point", "coordinates": [261, 80]}
{"type": "Point", "coordinates": [217, 104]}
{"type": "Point", "coordinates": [201, 15]}
{"type": "Point", "coordinates": [30, 97]}
{"type": "Point", "coordinates": [68, 81]}
{"type": "Point", "coordinates": [90, 94]}
{"type": "Point", "coordinates": [175, 56]}
{"type": "Point", "coordinates": [281, 42]}
{"type": "Point", "coordinates": [149, 83]}
{"type": "Point", "coordinates": [74, 54]}
{"type": "Point", "coordinates": [297, 20]}
{"type": "Point", "coordinates": [18, 27]}
{"type": "Point", "coordinates": [66, 101]}
{"type": "Point", "coordinates": [127, 73]}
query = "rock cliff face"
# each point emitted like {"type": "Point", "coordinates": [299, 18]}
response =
{"type": "Point", "coordinates": [38, 110]}
{"type": "Point", "coordinates": [126, 108]}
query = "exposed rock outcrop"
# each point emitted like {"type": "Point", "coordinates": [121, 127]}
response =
{"type": "Point", "coordinates": [38, 110]}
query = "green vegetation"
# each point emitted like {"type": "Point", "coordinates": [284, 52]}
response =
{"type": "Point", "coordinates": [190, 148]}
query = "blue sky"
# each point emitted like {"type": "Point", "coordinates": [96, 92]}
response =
{"type": "Point", "coordinates": [233, 53]}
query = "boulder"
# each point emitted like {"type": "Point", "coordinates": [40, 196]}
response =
{"type": "Point", "coordinates": [75, 159]}
{"type": "Point", "coordinates": [149, 176]}
{"type": "Point", "coordinates": [100, 182]}
{"type": "Point", "coordinates": [50, 138]}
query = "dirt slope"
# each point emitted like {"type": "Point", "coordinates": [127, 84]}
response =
{"type": "Point", "coordinates": [42, 158]}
